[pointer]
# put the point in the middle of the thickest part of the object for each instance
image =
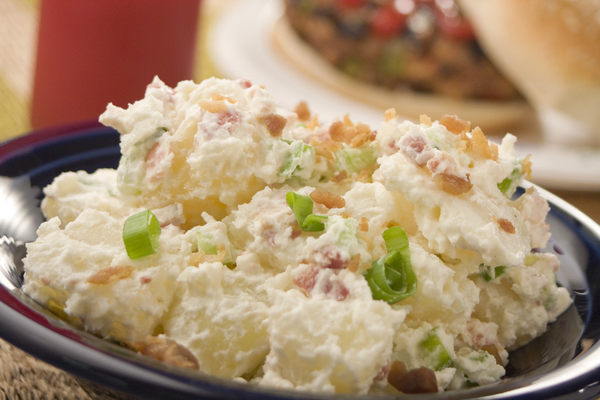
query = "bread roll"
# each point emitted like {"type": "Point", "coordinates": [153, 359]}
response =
{"type": "Point", "coordinates": [550, 49]}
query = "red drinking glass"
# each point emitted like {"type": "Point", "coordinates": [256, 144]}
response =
{"type": "Point", "coordinates": [92, 52]}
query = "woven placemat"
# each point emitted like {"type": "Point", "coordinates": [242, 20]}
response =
{"type": "Point", "coordinates": [23, 377]}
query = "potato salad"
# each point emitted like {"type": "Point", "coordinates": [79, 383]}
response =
{"type": "Point", "coordinates": [272, 248]}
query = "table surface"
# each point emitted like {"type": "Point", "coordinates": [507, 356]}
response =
{"type": "Point", "coordinates": [18, 31]}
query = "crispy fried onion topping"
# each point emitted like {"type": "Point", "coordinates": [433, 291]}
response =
{"type": "Point", "coordinates": [110, 274]}
{"type": "Point", "coordinates": [166, 350]}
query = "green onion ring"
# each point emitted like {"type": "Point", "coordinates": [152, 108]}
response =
{"type": "Point", "coordinates": [141, 234]}
{"type": "Point", "coordinates": [391, 277]}
{"type": "Point", "coordinates": [302, 206]}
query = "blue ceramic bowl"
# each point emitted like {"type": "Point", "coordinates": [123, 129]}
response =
{"type": "Point", "coordinates": [563, 363]}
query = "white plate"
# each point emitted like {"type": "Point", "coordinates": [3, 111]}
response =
{"type": "Point", "coordinates": [241, 46]}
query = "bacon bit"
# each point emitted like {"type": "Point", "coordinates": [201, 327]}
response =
{"type": "Point", "coordinates": [364, 236]}
{"type": "Point", "coordinates": [425, 120]}
{"type": "Point", "coordinates": [482, 147]}
{"type": "Point", "coordinates": [246, 84]}
{"type": "Point", "coordinates": [218, 97]}
{"type": "Point", "coordinates": [110, 274]}
{"type": "Point", "coordinates": [152, 155]}
{"type": "Point", "coordinates": [382, 374]}
{"type": "Point", "coordinates": [229, 117]}
{"type": "Point", "coordinates": [212, 106]}
{"type": "Point", "coordinates": [464, 144]}
{"type": "Point", "coordinates": [360, 139]}
{"type": "Point", "coordinates": [295, 233]}
{"type": "Point", "coordinates": [157, 153]}
{"type": "Point", "coordinates": [415, 381]}
{"type": "Point", "coordinates": [365, 174]}
{"type": "Point", "coordinates": [493, 350]}
{"type": "Point", "coordinates": [362, 134]}
{"type": "Point", "coordinates": [389, 114]}
{"type": "Point", "coordinates": [413, 146]}
{"type": "Point", "coordinates": [275, 124]}
{"type": "Point", "coordinates": [333, 258]}
{"type": "Point", "coordinates": [325, 148]}
{"type": "Point", "coordinates": [145, 279]}
{"type": "Point", "coordinates": [337, 291]}
{"type": "Point", "coordinates": [355, 136]}
{"type": "Point", "coordinates": [363, 224]}
{"type": "Point", "coordinates": [328, 199]}
{"type": "Point", "coordinates": [268, 232]}
{"type": "Point", "coordinates": [452, 184]}
{"type": "Point", "coordinates": [167, 351]}
{"type": "Point", "coordinates": [308, 279]}
{"type": "Point", "coordinates": [314, 122]}
{"type": "Point", "coordinates": [340, 176]}
{"type": "Point", "coordinates": [373, 135]}
{"type": "Point", "coordinates": [153, 85]}
{"type": "Point", "coordinates": [337, 131]}
{"type": "Point", "coordinates": [505, 225]}
{"type": "Point", "coordinates": [526, 168]}
{"type": "Point", "coordinates": [345, 214]}
{"type": "Point", "coordinates": [302, 111]}
{"type": "Point", "coordinates": [201, 257]}
{"type": "Point", "coordinates": [354, 263]}
{"type": "Point", "coordinates": [347, 121]}
{"type": "Point", "coordinates": [455, 124]}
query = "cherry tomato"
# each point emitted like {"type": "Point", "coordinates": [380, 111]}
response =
{"type": "Point", "coordinates": [387, 21]}
{"type": "Point", "coordinates": [351, 3]}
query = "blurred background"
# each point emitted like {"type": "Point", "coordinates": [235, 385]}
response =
{"type": "Point", "coordinates": [270, 42]}
{"type": "Point", "coordinates": [251, 39]}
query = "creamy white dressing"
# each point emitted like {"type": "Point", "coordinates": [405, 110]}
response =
{"type": "Point", "coordinates": [253, 296]}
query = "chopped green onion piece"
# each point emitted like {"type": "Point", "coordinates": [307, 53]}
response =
{"type": "Point", "coordinates": [302, 206]}
{"type": "Point", "coordinates": [206, 244]}
{"type": "Point", "coordinates": [436, 352]}
{"type": "Point", "coordinates": [531, 259]}
{"type": "Point", "coordinates": [141, 234]}
{"type": "Point", "coordinates": [549, 303]}
{"type": "Point", "coordinates": [391, 277]}
{"type": "Point", "coordinates": [497, 272]}
{"type": "Point", "coordinates": [510, 183]}
{"type": "Point", "coordinates": [480, 357]}
{"type": "Point", "coordinates": [314, 223]}
{"type": "Point", "coordinates": [355, 159]}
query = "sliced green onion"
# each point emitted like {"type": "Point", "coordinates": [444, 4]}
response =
{"type": "Point", "coordinates": [299, 153]}
{"type": "Point", "coordinates": [141, 234]}
{"type": "Point", "coordinates": [549, 303]}
{"type": "Point", "coordinates": [531, 259]}
{"type": "Point", "coordinates": [302, 206]}
{"type": "Point", "coordinates": [499, 270]}
{"type": "Point", "coordinates": [510, 183]}
{"type": "Point", "coordinates": [480, 357]}
{"type": "Point", "coordinates": [355, 159]}
{"type": "Point", "coordinates": [391, 277]}
{"type": "Point", "coordinates": [436, 352]}
{"type": "Point", "coordinates": [206, 244]}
